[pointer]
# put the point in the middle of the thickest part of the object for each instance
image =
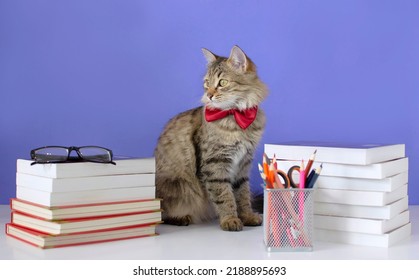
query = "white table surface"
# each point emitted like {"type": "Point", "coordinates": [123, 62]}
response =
{"type": "Point", "coordinates": [205, 242]}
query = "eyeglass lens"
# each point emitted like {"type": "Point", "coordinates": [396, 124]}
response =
{"type": "Point", "coordinates": [51, 154]}
{"type": "Point", "coordinates": [95, 154]}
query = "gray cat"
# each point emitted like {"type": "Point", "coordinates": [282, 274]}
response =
{"type": "Point", "coordinates": [204, 155]}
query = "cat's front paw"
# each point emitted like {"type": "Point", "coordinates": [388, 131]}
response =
{"type": "Point", "coordinates": [252, 219]}
{"type": "Point", "coordinates": [231, 224]}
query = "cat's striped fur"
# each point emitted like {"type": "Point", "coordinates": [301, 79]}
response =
{"type": "Point", "coordinates": [203, 167]}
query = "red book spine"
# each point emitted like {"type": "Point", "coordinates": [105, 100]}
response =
{"type": "Point", "coordinates": [80, 205]}
{"type": "Point", "coordinates": [29, 231]}
{"type": "Point", "coordinates": [87, 218]}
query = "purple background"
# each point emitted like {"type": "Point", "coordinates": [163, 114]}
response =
{"type": "Point", "coordinates": [112, 73]}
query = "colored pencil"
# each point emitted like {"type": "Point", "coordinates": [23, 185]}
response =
{"type": "Point", "coordinates": [316, 175]}
{"type": "Point", "coordinates": [300, 192]}
{"type": "Point", "coordinates": [302, 175]}
{"type": "Point", "coordinates": [310, 163]}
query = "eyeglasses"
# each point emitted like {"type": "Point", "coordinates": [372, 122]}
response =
{"type": "Point", "coordinates": [59, 154]}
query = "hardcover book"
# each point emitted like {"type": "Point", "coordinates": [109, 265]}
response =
{"type": "Point", "coordinates": [372, 171]}
{"type": "Point", "coordinates": [361, 211]}
{"type": "Point", "coordinates": [87, 169]}
{"type": "Point", "coordinates": [359, 154]}
{"type": "Point", "coordinates": [84, 183]}
{"type": "Point", "coordinates": [360, 197]}
{"type": "Point", "coordinates": [365, 239]}
{"type": "Point", "coordinates": [83, 210]}
{"type": "Point", "coordinates": [361, 225]}
{"type": "Point", "coordinates": [90, 224]}
{"type": "Point", "coordinates": [46, 241]}
{"type": "Point", "coordinates": [360, 184]}
{"type": "Point", "coordinates": [51, 199]}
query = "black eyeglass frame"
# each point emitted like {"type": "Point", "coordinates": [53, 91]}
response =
{"type": "Point", "coordinates": [79, 158]}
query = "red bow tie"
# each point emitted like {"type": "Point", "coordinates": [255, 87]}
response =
{"type": "Point", "coordinates": [243, 118]}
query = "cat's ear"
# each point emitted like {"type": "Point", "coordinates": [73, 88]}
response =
{"type": "Point", "coordinates": [209, 56]}
{"type": "Point", "coordinates": [238, 60]}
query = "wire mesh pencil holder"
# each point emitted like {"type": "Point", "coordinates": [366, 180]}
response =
{"type": "Point", "coordinates": [288, 219]}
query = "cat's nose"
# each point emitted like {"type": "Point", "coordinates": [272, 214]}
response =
{"type": "Point", "coordinates": [210, 93]}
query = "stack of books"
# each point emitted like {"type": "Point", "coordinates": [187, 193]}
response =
{"type": "Point", "coordinates": [361, 195]}
{"type": "Point", "coordinates": [65, 204]}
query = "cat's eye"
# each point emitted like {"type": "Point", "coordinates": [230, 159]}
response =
{"type": "Point", "coordinates": [223, 83]}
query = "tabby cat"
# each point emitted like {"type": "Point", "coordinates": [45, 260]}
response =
{"type": "Point", "coordinates": [204, 155]}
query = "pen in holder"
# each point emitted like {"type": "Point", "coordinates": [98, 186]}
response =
{"type": "Point", "coordinates": [288, 219]}
{"type": "Point", "coordinates": [288, 205]}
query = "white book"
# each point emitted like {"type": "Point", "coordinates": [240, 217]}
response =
{"type": "Point", "coordinates": [372, 226]}
{"type": "Point", "coordinates": [362, 154]}
{"type": "Point", "coordinates": [360, 197]}
{"type": "Point", "coordinates": [45, 241]}
{"type": "Point", "coordinates": [84, 183]}
{"type": "Point", "coordinates": [372, 171]}
{"type": "Point", "coordinates": [87, 169]}
{"type": "Point", "coordinates": [84, 197]}
{"type": "Point", "coordinates": [360, 184]}
{"type": "Point", "coordinates": [86, 224]}
{"type": "Point", "coordinates": [83, 210]}
{"type": "Point", "coordinates": [364, 239]}
{"type": "Point", "coordinates": [360, 211]}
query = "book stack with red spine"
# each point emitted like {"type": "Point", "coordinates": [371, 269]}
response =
{"type": "Point", "coordinates": [361, 196]}
{"type": "Point", "coordinates": [67, 204]}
